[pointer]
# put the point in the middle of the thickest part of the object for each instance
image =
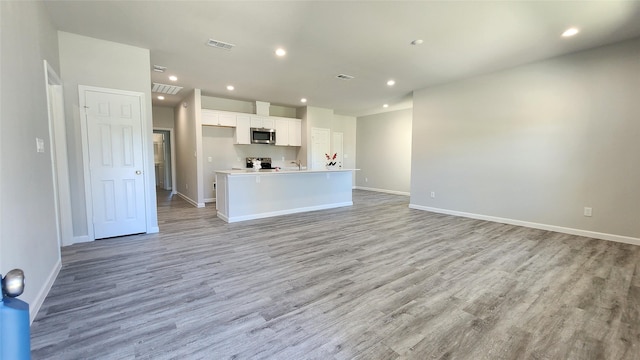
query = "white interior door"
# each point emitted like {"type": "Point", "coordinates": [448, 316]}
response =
{"type": "Point", "coordinates": [320, 145]}
{"type": "Point", "coordinates": [114, 140]}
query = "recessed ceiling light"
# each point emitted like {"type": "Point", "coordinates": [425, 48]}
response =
{"type": "Point", "coordinates": [417, 42]}
{"type": "Point", "coordinates": [160, 97]}
{"type": "Point", "coordinates": [230, 87]}
{"type": "Point", "coordinates": [281, 52]}
{"type": "Point", "coordinates": [173, 78]}
{"type": "Point", "coordinates": [303, 100]}
{"type": "Point", "coordinates": [570, 32]}
{"type": "Point", "coordinates": [391, 82]}
{"type": "Point", "coordinates": [385, 105]}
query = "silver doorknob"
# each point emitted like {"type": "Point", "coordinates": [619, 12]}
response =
{"type": "Point", "coordinates": [138, 172]}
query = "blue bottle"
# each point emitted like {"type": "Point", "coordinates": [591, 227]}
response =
{"type": "Point", "coordinates": [15, 336]}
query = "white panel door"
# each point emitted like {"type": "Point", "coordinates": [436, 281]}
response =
{"type": "Point", "coordinates": [320, 146]}
{"type": "Point", "coordinates": [114, 134]}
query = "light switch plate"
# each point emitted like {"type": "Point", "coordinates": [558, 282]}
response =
{"type": "Point", "coordinates": [39, 145]}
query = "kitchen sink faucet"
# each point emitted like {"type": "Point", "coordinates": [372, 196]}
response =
{"type": "Point", "coordinates": [299, 163]}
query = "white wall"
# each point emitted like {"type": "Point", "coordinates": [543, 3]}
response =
{"type": "Point", "coordinates": [315, 117]}
{"type": "Point", "coordinates": [188, 139]}
{"type": "Point", "coordinates": [384, 151]}
{"type": "Point", "coordinates": [28, 230]}
{"type": "Point", "coordinates": [536, 143]}
{"type": "Point", "coordinates": [163, 117]}
{"type": "Point", "coordinates": [94, 62]}
{"type": "Point", "coordinates": [249, 107]}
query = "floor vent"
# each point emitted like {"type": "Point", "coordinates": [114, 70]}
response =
{"type": "Point", "coordinates": [220, 44]}
{"type": "Point", "coordinates": [165, 89]}
{"type": "Point", "coordinates": [344, 77]}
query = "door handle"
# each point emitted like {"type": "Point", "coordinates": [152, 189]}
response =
{"type": "Point", "coordinates": [138, 172]}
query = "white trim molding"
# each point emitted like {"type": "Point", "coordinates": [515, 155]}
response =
{"type": "Point", "coordinates": [382, 190]}
{"type": "Point", "coordinates": [190, 201]}
{"type": "Point", "coordinates": [44, 291]}
{"type": "Point", "coordinates": [560, 229]}
{"type": "Point", "coordinates": [282, 212]}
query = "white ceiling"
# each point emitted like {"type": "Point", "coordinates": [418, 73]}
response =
{"type": "Point", "coordinates": [368, 40]}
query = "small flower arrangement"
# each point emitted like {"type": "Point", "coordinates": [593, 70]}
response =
{"type": "Point", "coordinates": [331, 159]}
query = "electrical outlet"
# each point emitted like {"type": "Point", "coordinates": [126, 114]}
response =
{"type": "Point", "coordinates": [588, 211]}
{"type": "Point", "coordinates": [366, 179]}
{"type": "Point", "coordinates": [186, 186]}
{"type": "Point", "coordinates": [433, 194]}
{"type": "Point", "coordinates": [209, 159]}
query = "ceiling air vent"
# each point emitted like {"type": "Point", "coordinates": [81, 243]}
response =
{"type": "Point", "coordinates": [344, 77]}
{"type": "Point", "coordinates": [165, 89]}
{"type": "Point", "coordinates": [159, 68]}
{"type": "Point", "coordinates": [220, 44]}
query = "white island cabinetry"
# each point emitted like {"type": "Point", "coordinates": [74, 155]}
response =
{"type": "Point", "coordinates": [245, 195]}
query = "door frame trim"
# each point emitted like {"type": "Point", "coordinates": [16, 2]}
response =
{"type": "Point", "coordinates": [174, 189]}
{"type": "Point", "coordinates": [59, 160]}
{"type": "Point", "coordinates": [85, 151]}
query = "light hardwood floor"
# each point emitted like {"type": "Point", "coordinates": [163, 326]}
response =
{"type": "Point", "coordinates": [373, 281]}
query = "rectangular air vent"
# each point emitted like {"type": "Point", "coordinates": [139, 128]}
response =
{"type": "Point", "coordinates": [165, 89]}
{"type": "Point", "coordinates": [220, 44]}
{"type": "Point", "coordinates": [159, 68]}
{"type": "Point", "coordinates": [344, 77]}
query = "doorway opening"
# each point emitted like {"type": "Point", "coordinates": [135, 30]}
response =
{"type": "Point", "coordinates": [162, 159]}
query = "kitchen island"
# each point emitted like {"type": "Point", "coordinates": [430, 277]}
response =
{"type": "Point", "coordinates": [247, 194]}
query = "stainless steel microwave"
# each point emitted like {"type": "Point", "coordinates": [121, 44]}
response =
{"type": "Point", "coordinates": [263, 136]}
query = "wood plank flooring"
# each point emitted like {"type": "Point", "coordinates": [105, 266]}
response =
{"type": "Point", "coordinates": [373, 281]}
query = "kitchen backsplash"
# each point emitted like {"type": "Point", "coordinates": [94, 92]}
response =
{"type": "Point", "coordinates": [220, 153]}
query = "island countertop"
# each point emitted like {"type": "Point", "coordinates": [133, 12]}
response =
{"type": "Point", "coordinates": [281, 171]}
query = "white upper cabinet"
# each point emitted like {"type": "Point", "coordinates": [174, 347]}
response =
{"type": "Point", "coordinates": [218, 118]}
{"type": "Point", "coordinates": [295, 132]}
{"type": "Point", "coordinates": [262, 122]}
{"type": "Point", "coordinates": [282, 132]}
{"type": "Point", "coordinates": [288, 132]}
{"type": "Point", "coordinates": [243, 133]}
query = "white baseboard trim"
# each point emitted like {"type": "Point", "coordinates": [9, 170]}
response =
{"type": "Point", "coordinates": [44, 291]}
{"type": "Point", "coordinates": [81, 239]}
{"type": "Point", "coordinates": [282, 212]}
{"type": "Point", "coordinates": [560, 229]}
{"type": "Point", "coordinates": [382, 190]}
{"type": "Point", "coordinates": [209, 200]}
{"type": "Point", "coordinates": [153, 230]}
{"type": "Point", "coordinates": [190, 201]}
